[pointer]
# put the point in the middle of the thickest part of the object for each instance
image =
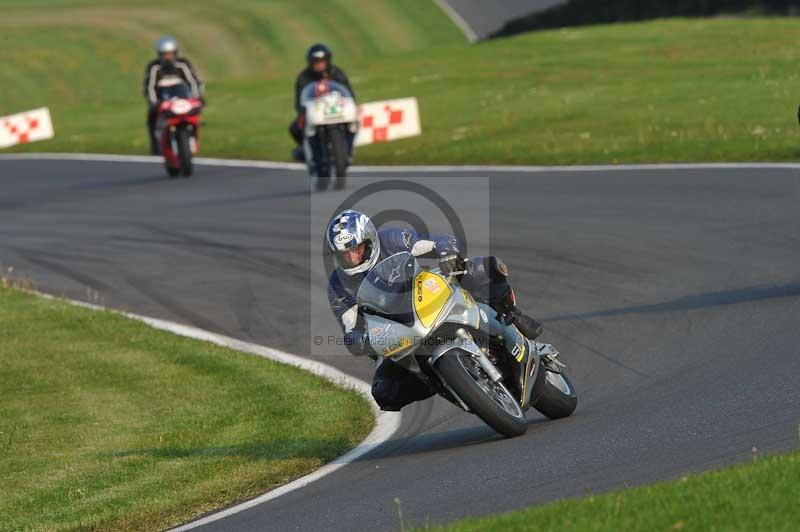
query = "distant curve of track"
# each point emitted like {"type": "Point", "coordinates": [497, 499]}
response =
{"type": "Point", "coordinates": [478, 19]}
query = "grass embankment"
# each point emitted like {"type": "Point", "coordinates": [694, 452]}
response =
{"type": "Point", "coordinates": [107, 424]}
{"type": "Point", "coordinates": [674, 90]}
{"type": "Point", "coordinates": [86, 61]}
{"type": "Point", "coordinates": [752, 497]}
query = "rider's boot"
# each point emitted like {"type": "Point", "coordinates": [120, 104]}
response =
{"type": "Point", "coordinates": [155, 149]}
{"type": "Point", "coordinates": [527, 325]}
{"type": "Point", "coordinates": [298, 154]}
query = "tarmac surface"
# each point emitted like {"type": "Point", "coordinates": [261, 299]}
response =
{"type": "Point", "coordinates": [673, 295]}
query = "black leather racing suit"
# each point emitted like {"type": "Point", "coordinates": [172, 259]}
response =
{"type": "Point", "coordinates": [392, 385]}
{"type": "Point", "coordinates": [305, 77]}
{"type": "Point", "coordinates": [154, 73]}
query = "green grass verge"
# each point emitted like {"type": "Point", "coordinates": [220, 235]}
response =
{"type": "Point", "coordinates": [108, 424]}
{"type": "Point", "coordinates": [671, 90]}
{"type": "Point", "coordinates": [758, 496]}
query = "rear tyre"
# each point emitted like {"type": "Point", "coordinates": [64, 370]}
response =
{"type": "Point", "coordinates": [557, 397]}
{"type": "Point", "coordinates": [490, 401]}
{"type": "Point", "coordinates": [172, 171]}
{"type": "Point", "coordinates": [338, 153]}
{"type": "Point", "coordinates": [185, 151]}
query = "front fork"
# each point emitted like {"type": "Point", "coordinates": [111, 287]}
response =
{"type": "Point", "coordinates": [315, 146]}
{"type": "Point", "coordinates": [530, 361]}
{"type": "Point", "coordinates": [543, 358]}
{"type": "Point", "coordinates": [466, 343]}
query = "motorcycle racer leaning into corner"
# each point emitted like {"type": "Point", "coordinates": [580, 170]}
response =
{"type": "Point", "coordinates": [357, 247]}
{"type": "Point", "coordinates": [168, 64]}
{"type": "Point", "coordinates": [319, 66]}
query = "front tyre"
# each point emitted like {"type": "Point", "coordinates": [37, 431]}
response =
{"type": "Point", "coordinates": [185, 150]}
{"type": "Point", "coordinates": [339, 153]}
{"type": "Point", "coordinates": [556, 394]}
{"type": "Point", "coordinates": [319, 169]}
{"type": "Point", "coordinates": [490, 401]}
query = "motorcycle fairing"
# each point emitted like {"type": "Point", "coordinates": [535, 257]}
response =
{"type": "Point", "coordinates": [437, 302]}
{"type": "Point", "coordinates": [431, 293]}
{"type": "Point", "coordinates": [390, 339]}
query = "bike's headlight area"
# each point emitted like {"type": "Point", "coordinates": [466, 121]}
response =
{"type": "Point", "coordinates": [171, 114]}
{"type": "Point", "coordinates": [181, 107]}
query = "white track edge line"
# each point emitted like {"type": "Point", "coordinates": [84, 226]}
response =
{"type": "Point", "coordinates": [386, 423]}
{"type": "Point", "coordinates": [277, 165]}
{"type": "Point", "coordinates": [458, 20]}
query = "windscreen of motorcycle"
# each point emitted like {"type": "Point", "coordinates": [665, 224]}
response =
{"type": "Point", "coordinates": [388, 289]}
{"type": "Point", "coordinates": [176, 90]}
{"type": "Point", "coordinates": [310, 92]}
{"type": "Point", "coordinates": [332, 104]}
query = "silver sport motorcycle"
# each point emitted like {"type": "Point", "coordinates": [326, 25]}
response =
{"type": "Point", "coordinates": [331, 124]}
{"type": "Point", "coordinates": [425, 322]}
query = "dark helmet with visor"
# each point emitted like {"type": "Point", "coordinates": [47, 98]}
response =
{"type": "Point", "coordinates": [318, 52]}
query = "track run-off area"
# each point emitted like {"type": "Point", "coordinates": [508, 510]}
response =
{"type": "Point", "coordinates": [672, 291]}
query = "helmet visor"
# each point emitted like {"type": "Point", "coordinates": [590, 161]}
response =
{"type": "Point", "coordinates": [319, 65]}
{"type": "Point", "coordinates": [166, 58]}
{"type": "Point", "coordinates": [352, 257]}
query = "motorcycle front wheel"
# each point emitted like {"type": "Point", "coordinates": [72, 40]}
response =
{"type": "Point", "coordinates": [338, 152]}
{"type": "Point", "coordinates": [184, 151]}
{"type": "Point", "coordinates": [320, 170]}
{"type": "Point", "coordinates": [490, 401]}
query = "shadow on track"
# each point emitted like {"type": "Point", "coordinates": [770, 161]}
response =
{"type": "Point", "coordinates": [694, 302]}
{"type": "Point", "coordinates": [431, 442]}
{"type": "Point", "coordinates": [57, 193]}
{"type": "Point", "coordinates": [250, 198]}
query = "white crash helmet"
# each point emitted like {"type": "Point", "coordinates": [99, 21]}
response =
{"type": "Point", "coordinates": [346, 231]}
{"type": "Point", "coordinates": [166, 45]}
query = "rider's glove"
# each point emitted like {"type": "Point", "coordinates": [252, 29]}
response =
{"type": "Point", "coordinates": [451, 263]}
{"type": "Point", "coordinates": [357, 342]}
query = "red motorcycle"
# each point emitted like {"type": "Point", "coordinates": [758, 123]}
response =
{"type": "Point", "coordinates": [178, 127]}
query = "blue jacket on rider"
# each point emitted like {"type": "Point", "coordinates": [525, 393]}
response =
{"type": "Point", "coordinates": [342, 288]}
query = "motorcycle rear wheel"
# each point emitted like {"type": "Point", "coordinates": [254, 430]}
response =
{"type": "Point", "coordinates": [556, 397]}
{"type": "Point", "coordinates": [492, 402]}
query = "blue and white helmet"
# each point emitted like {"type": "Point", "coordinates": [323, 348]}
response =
{"type": "Point", "coordinates": [346, 232]}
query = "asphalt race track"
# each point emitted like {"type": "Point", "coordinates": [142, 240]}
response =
{"type": "Point", "coordinates": [674, 296]}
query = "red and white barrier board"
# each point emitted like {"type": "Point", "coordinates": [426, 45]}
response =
{"type": "Point", "coordinates": [388, 120]}
{"type": "Point", "coordinates": [25, 127]}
